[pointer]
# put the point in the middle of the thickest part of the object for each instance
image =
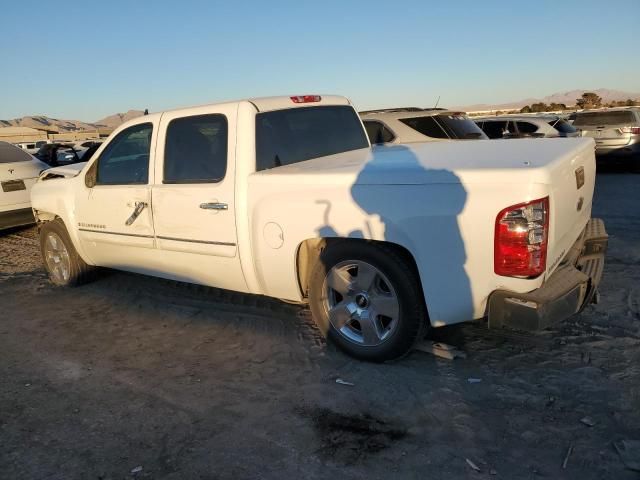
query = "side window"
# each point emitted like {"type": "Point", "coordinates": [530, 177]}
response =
{"type": "Point", "coordinates": [126, 159]}
{"type": "Point", "coordinates": [494, 129]}
{"type": "Point", "coordinates": [378, 132]}
{"type": "Point", "coordinates": [426, 126]}
{"type": "Point", "coordinates": [196, 149]}
{"type": "Point", "coordinates": [526, 128]}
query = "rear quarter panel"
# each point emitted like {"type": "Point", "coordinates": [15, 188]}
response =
{"type": "Point", "coordinates": [448, 228]}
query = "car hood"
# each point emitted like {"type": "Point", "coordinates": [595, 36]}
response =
{"type": "Point", "coordinates": [65, 171]}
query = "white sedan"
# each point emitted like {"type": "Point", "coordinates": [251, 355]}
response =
{"type": "Point", "coordinates": [18, 172]}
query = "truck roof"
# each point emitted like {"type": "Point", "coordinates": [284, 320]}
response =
{"type": "Point", "coordinates": [265, 104]}
{"type": "Point", "coordinates": [261, 104]}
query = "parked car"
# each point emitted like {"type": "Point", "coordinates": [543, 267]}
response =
{"type": "Point", "coordinates": [31, 147]}
{"type": "Point", "coordinates": [55, 154]}
{"type": "Point", "coordinates": [284, 197]}
{"type": "Point", "coordinates": [82, 144]}
{"type": "Point", "coordinates": [616, 131]}
{"type": "Point", "coordinates": [526, 126]}
{"type": "Point", "coordinates": [409, 125]}
{"type": "Point", "coordinates": [18, 172]}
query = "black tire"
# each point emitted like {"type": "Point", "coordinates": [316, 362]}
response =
{"type": "Point", "coordinates": [78, 272]}
{"type": "Point", "coordinates": [412, 322]}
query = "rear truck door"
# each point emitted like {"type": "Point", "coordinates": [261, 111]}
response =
{"type": "Point", "coordinates": [113, 209]}
{"type": "Point", "coordinates": [194, 196]}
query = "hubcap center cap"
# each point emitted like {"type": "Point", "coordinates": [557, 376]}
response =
{"type": "Point", "coordinates": [362, 300]}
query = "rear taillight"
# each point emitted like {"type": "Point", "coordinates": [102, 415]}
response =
{"type": "Point", "coordinates": [306, 98]}
{"type": "Point", "coordinates": [632, 130]}
{"type": "Point", "coordinates": [522, 231]}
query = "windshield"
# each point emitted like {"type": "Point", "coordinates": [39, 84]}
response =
{"type": "Point", "coordinates": [284, 137]}
{"type": "Point", "coordinates": [604, 118]}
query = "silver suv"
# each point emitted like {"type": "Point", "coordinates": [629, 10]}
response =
{"type": "Point", "coordinates": [412, 124]}
{"type": "Point", "coordinates": [616, 131]}
{"type": "Point", "coordinates": [526, 126]}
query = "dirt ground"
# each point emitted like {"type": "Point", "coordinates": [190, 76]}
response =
{"type": "Point", "coordinates": [132, 376]}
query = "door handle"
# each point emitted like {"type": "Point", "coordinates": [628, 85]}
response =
{"type": "Point", "coordinates": [214, 206]}
{"type": "Point", "coordinates": [136, 213]}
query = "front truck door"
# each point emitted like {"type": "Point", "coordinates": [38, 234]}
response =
{"type": "Point", "coordinates": [114, 207]}
{"type": "Point", "coordinates": [193, 197]}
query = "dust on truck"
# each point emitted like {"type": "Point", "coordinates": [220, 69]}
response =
{"type": "Point", "coordinates": [285, 197]}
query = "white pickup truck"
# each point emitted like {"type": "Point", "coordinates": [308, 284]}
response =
{"type": "Point", "coordinates": [285, 197]}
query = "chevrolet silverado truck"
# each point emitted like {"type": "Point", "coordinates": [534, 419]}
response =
{"type": "Point", "coordinates": [285, 197]}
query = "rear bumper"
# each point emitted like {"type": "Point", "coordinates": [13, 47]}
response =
{"type": "Point", "coordinates": [16, 218]}
{"type": "Point", "coordinates": [566, 292]}
{"type": "Point", "coordinates": [630, 149]}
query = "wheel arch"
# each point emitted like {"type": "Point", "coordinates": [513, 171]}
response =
{"type": "Point", "coordinates": [309, 251]}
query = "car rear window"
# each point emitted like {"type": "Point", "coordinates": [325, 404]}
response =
{"type": "Point", "coordinates": [459, 126]}
{"type": "Point", "coordinates": [604, 118]}
{"type": "Point", "coordinates": [449, 125]}
{"type": "Point", "coordinates": [285, 137]}
{"type": "Point", "coordinates": [12, 154]}
{"type": "Point", "coordinates": [563, 126]}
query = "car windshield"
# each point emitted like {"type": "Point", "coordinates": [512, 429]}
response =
{"type": "Point", "coordinates": [604, 118]}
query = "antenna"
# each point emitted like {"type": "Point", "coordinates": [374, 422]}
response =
{"type": "Point", "coordinates": [437, 102]}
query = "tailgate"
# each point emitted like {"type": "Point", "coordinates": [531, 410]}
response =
{"type": "Point", "coordinates": [607, 136]}
{"type": "Point", "coordinates": [572, 184]}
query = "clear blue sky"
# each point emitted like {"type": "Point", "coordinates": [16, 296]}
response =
{"type": "Point", "coordinates": [86, 59]}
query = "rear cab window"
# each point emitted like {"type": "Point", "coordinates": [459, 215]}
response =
{"type": "Point", "coordinates": [285, 137]}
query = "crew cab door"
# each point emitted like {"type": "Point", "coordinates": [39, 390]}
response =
{"type": "Point", "coordinates": [113, 209]}
{"type": "Point", "coordinates": [194, 196]}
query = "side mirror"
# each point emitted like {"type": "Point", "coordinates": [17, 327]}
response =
{"type": "Point", "coordinates": [91, 177]}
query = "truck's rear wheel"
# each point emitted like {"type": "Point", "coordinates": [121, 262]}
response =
{"type": "Point", "coordinates": [368, 300]}
{"type": "Point", "coordinates": [62, 262]}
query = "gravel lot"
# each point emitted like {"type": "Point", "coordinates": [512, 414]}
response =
{"type": "Point", "coordinates": [132, 376]}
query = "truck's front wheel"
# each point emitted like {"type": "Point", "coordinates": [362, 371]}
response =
{"type": "Point", "coordinates": [367, 299]}
{"type": "Point", "coordinates": [62, 262]}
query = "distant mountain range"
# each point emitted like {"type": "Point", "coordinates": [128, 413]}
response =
{"type": "Point", "coordinates": [568, 98]}
{"type": "Point", "coordinates": [42, 122]}
{"type": "Point", "coordinates": [53, 124]}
